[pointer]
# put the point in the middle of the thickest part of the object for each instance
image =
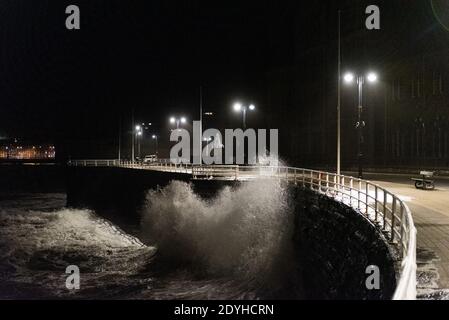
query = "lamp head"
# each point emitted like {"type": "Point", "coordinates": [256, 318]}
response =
{"type": "Point", "coordinates": [348, 77]}
{"type": "Point", "coordinates": [372, 77]}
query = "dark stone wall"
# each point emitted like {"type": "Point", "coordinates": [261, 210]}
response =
{"type": "Point", "coordinates": [335, 245]}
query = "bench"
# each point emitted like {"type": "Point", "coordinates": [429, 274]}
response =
{"type": "Point", "coordinates": [425, 182]}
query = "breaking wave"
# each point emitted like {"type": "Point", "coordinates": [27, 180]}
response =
{"type": "Point", "coordinates": [244, 232]}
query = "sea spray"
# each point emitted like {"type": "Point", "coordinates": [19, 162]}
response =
{"type": "Point", "coordinates": [244, 231]}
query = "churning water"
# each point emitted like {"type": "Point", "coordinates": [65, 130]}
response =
{"type": "Point", "coordinates": [236, 245]}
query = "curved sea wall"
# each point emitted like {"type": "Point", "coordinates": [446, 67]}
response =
{"type": "Point", "coordinates": [335, 244]}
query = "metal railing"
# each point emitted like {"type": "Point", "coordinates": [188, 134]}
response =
{"type": "Point", "coordinates": [382, 208]}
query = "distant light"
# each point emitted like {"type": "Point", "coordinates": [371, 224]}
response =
{"type": "Point", "coordinates": [137, 128]}
{"type": "Point", "coordinates": [183, 120]}
{"type": "Point", "coordinates": [139, 133]}
{"type": "Point", "coordinates": [154, 136]}
{"type": "Point", "coordinates": [349, 77]}
{"type": "Point", "coordinates": [252, 107]}
{"type": "Point", "coordinates": [149, 123]}
{"type": "Point", "coordinates": [209, 113]}
{"type": "Point", "coordinates": [237, 107]}
{"type": "Point", "coordinates": [372, 77]}
{"type": "Point", "coordinates": [172, 120]}
{"type": "Point", "coordinates": [143, 123]}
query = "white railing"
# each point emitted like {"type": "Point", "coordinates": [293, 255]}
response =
{"type": "Point", "coordinates": [382, 208]}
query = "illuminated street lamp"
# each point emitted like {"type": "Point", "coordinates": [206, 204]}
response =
{"type": "Point", "coordinates": [155, 138]}
{"type": "Point", "coordinates": [349, 78]}
{"type": "Point", "coordinates": [238, 107]}
{"type": "Point", "coordinates": [138, 134]}
{"type": "Point", "coordinates": [178, 121]}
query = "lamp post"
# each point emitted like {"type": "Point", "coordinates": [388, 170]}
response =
{"type": "Point", "coordinates": [139, 133]}
{"type": "Point", "coordinates": [339, 97]}
{"type": "Point", "coordinates": [156, 138]}
{"type": "Point", "coordinates": [349, 78]}
{"type": "Point", "coordinates": [238, 107]}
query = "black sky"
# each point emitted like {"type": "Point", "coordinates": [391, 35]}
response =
{"type": "Point", "coordinates": [150, 55]}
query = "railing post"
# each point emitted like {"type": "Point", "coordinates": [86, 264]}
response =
{"type": "Point", "coordinates": [336, 185]}
{"type": "Point", "coordinates": [366, 197]}
{"type": "Point", "coordinates": [351, 187]}
{"type": "Point", "coordinates": [341, 186]}
{"type": "Point", "coordinates": [375, 203]}
{"type": "Point", "coordinates": [311, 180]}
{"type": "Point", "coordinates": [385, 209]}
{"type": "Point", "coordinates": [402, 231]}
{"type": "Point", "coordinates": [358, 197]}
{"type": "Point", "coordinates": [393, 218]}
{"type": "Point", "coordinates": [303, 178]}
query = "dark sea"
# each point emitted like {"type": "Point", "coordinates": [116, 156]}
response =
{"type": "Point", "coordinates": [235, 246]}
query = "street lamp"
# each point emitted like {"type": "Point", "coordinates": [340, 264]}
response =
{"type": "Point", "coordinates": [138, 134]}
{"type": "Point", "coordinates": [178, 121]}
{"type": "Point", "coordinates": [372, 77]}
{"type": "Point", "coordinates": [349, 78]}
{"type": "Point", "coordinates": [155, 137]}
{"type": "Point", "coordinates": [238, 107]}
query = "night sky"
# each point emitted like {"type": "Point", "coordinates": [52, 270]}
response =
{"type": "Point", "coordinates": [149, 55]}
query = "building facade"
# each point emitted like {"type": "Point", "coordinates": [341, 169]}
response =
{"type": "Point", "coordinates": [406, 112]}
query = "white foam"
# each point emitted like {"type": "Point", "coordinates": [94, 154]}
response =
{"type": "Point", "coordinates": [241, 230]}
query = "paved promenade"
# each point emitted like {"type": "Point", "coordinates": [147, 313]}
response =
{"type": "Point", "coordinates": [430, 210]}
